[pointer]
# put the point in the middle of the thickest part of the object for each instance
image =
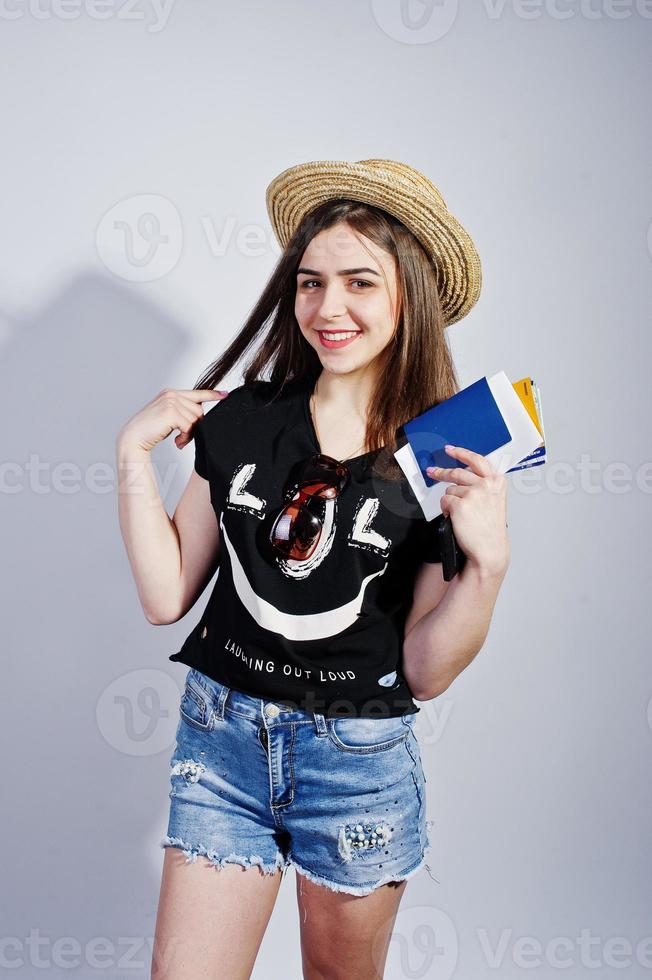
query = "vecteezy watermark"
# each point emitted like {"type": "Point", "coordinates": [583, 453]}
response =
{"type": "Point", "coordinates": [137, 713]}
{"type": "Point", "coordinates": [426, 21]}
{"type": "Point", "coordinates": [649, 713]}
{"type": "Point", "coordinates": [567, 9]}
{"type": "Point", "coordinates": [424, 943]}
{"type": "Point", "coordinates": [140, 239]}
{"type": "Point", "coordinates": [155, 13]}
{"type": "Point", "coordinates": [250, 240]}
{"type": "Point", "coordinates": [432, 719]}
{"type": "Point", "coordinates": [65, 477]}
{"type": "Point", "coordinates": [102, 953]}
{"type": "Point", "coordinates": [415, 21]}
{"type": "Point", "coordinates": [585, 950]}
{"type": "Point", "coordinates": [584, 475]}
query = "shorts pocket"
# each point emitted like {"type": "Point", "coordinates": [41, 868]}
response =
{"type": "Point", "coordinates": [196, 705]}
{"type": "Point", "coordinates": [368, 734]}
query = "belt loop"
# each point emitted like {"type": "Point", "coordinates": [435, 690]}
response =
{"type": "Point", "coordinates": [320, 724]}
{"type": "Point", "coordinates": [220, 701]}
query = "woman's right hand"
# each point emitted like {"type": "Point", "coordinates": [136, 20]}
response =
{"type": "Point", "coordinates": [172, 408]}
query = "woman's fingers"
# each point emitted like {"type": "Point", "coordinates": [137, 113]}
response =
{"type": "Point", "coordinates": [194, 411]}
{"type": "Point", "coordinates": [194, 407]}
{"type": "Point", "coordinates": [170, 409]}
{"type": "Point", "coordinates": [455, 491]}
{"type": "Point", "coordinates": [197, 394]}
{"type": "Point", "coordinates": [453, 474]}
{"type": "Point", "coordinates": [478, 467]}
{"type": "Point", "coordinates": [201, 394]}
{"type": "Point", "coordinates": [476, 461]}
{"type": "Point", "coordinates": [185, 414]}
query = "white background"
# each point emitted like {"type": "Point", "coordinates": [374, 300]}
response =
{"type": "Point", "coordinates": [533, 120]}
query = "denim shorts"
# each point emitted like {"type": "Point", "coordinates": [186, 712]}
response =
{"type": "Point", "coordinates": [257, 783]}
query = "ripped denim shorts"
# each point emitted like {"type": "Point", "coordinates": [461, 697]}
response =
{"type": "Point", "coordinates": [257, 783]}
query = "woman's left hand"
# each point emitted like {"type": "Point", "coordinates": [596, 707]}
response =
{"type": "Point", "coordinates": [477, 503]}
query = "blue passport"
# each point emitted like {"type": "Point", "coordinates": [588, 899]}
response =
{"type": "Point", "coordinates": [469, 418]}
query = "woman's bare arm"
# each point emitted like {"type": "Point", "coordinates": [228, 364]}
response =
{"type": "Point", "coordinates": [443, 642]}
{"type": "Point", "coordinates": [172, 558]}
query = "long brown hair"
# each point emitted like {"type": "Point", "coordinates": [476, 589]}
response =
{"type": "Point", "coordinates": [415, 369]}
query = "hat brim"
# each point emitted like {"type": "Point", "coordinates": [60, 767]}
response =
{"type": "Point", "coordinates": [401, 191]}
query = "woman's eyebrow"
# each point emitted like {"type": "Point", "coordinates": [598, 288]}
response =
{"type": "Point", "coordinates": [342, 272]}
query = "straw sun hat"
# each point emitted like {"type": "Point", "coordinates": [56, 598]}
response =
{"type": "Point", "coordinates": [402, 191]}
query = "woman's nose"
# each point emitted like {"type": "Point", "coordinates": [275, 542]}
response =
{"type": "Point", "coordinates": [332, 304]}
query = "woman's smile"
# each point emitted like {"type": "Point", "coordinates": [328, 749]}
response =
{"type": "Point", "coordinates": [338, 338]}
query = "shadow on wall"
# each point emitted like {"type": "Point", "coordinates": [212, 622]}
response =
{"type": "Point", "coordinates": [90, 742]}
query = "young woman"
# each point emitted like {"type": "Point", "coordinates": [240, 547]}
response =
{"type": "Point", "coordinates": [330, 614]}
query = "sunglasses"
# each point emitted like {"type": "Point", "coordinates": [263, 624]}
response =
{"type": "Point", "coordinates": [297, 528]}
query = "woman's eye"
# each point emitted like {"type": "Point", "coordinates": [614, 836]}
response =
{"type": "Point", "coordinates": [307, 282]}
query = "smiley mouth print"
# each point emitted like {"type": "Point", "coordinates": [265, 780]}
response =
{"type": "Point", "coordinates": [309, 626]}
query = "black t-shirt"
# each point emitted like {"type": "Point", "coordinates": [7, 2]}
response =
{"type": "Point", "coordinates": [323, 634]}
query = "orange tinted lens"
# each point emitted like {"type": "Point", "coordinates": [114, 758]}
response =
{"type": "Point", "coordinates": [296, 531]}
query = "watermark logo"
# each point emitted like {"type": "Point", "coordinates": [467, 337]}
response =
{"type": "Point", "coordinates": [568, 9]}
{"type": "Point", "coordinates": [155, 13]}
{"type": "Point", "coordinates": [415, 21]}
{"type": "Point", "coordinates": [432, 720]}
{"type": "Point", "coordinates": [130, 955]}
{"type": "Point", "coordinates": [140, 239]}
{"type": "Point", "coordinates": [424, 943]}
{"type": "Point", "coordinates": [427, 21]}
{"type": "Point", "coordinates": [586, 951]}
{"type": "Point", "coordinates": [138, 712]}
{"type": "Point", "coordinates": [584, 475]}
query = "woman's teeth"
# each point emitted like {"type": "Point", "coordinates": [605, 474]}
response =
{"type": "Point", "coordinates": [337, 338]}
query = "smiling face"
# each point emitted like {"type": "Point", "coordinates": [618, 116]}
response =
{"type": "Point", "coordinates": [343, 290]}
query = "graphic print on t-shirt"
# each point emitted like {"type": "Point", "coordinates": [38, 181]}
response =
{"type": "Point", "coordinates": [239, 497]}
{"type": "Point", "coordinates": [306, 625]}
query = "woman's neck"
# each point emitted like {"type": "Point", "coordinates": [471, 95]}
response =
{"type": "Point", "coordinates": [344, 396]}
{"type": "Point", "coordinates": [338, 420]}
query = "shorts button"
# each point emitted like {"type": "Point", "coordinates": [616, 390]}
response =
{"type": "Point", "coordinates": [272, 710]}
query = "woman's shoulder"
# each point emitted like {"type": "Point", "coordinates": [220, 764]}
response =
{"type": "Point", "coordinates": [252, 396]}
